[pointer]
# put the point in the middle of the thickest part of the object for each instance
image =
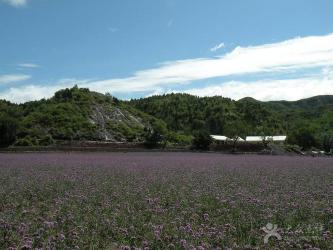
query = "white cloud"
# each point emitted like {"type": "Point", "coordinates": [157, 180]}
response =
{"type": "Point", "coordinates": [16, 3]}
{"type": "Point", "coordinates": [295, 54]}
{"type": "Point", "coordinates": [28, 65]}
{"type": "Point", "coordinates": [33, 92]}
{"type": "Point", "coordinates": [269, 90]}
{"type": "Point", "coordinates": [28, 93]}
{"type": "Point", "coordinates": [264, 90]}
{"type": "Point", "coordinates": [283, 57]}
{"type": "Point", "coordinates": [217, 47]}
{"type": "Point", "coordinates": [4, 79]}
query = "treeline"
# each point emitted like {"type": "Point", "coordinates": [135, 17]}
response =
{"type": "Point", "coordinates": [77, 114]}
{"type": "Point", "coordinates": [81, 115]}
{"type": "Point", "coordinates": [187, 113]}
{"type": "Point", "coordinates": [63, 117]}
{"type": "Point", "coordinates": [307, 123]}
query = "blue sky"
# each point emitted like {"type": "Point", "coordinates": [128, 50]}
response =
{"type": "Point", "coordinates": [269, 50]}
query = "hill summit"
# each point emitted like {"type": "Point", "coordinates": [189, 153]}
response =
{"type": "Point", "coordinates": [73, 115]}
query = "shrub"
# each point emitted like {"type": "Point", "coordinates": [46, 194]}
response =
{"type": "Point", "coordinates": [8, 127]}
{"type": "Point", "coordinates": [201, 140]}
{"type": "Point", "coordinates": [26, 142]}
{"type": "Point", "coordinates": [46, 141]}
{"type": "Point", "coordinates": [328, 143]}
{"type": "Point", "coordinates": [154, 139]}
{"type": "Point", "coordinates": [304, 138]}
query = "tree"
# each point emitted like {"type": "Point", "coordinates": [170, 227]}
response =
{"type": "Point", "coordinates": [26, 142]}
{"type": "Point", "coordinates": [234, 131]}
{"type": "Point", "coordinates": [112, 99]}
{"type": "Point", "coordinates": [153, 138]}
{"type": "Point", "coordinates": [201, 140]}
{"type": "Point", "coordinates": [265, 140]}
{"type": "Point", "coordinates": [46, 141]}
{"type": "Point", "coordinates": [157, 134]}
{"type": "Point", "coordinates": [64, 94]}
{"type": "Point", "coordinates": [8, 129]}
{"type": "Point", "coordinates": [328, 143]}
{"type": "Point", "coordinates": [304, 138]}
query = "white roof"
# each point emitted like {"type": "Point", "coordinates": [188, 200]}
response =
{"type": "Point", "coordinates": [280, 138]}
{"type": "Point", "coordinates": [254, 138]}
{"type": "Point", "coordinates": [219, 137]}
{"type": "Point", "coordinates": [224, 138]}
{"type": "Point", "coordinates": [267, 138]}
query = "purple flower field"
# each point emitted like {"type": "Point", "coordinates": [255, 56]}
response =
{"type": "Point", "coordinates": [164, 201]}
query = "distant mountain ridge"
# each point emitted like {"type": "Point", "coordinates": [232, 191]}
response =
{"type": "Point", "coordinates": [311, 102]}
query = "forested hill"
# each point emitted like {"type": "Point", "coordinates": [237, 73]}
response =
{"type": "Point", "coordinates": [218, 115]}
{"type": "Point", "coordinates": [81, 115]}
{"type": "Point", "coordinates": [309, 103]}
{"type": "Point", "coordinates": [308, 121]}
{"type": "Point", "coordinates": [74, 115]}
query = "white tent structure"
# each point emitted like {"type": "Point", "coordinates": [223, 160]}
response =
{"type": "Point", "coordinates": [278, 138]}
{"type": "Point", "coordinates": [220, 138]}
{"type": "Point", "coordinates": [254, 138]}
{"type": "Point", "coordinates": [240, 139]}
{"type": "Point", "coordinates": [224, 138]}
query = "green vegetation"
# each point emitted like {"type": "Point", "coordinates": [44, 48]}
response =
{"type": "Point", "coordinates": [186, 113]}
{"type": "Point", "coordinates": [307, 123]}
{"type": "Point", "coordinates": [81, 115]}
{"type": "Point", "coordinates": [201, 140]}
{"type": "Point", "coordinates": [76, 115]}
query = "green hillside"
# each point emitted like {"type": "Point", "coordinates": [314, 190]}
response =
{"type": "Point", "coordinates": [75, 115]}
{"type": "Point", "coordinates": [218, 115]}
{"type": "Point", "coordinates": [81, 115]}
{"type": "Point", "coordinates": [307, 122]}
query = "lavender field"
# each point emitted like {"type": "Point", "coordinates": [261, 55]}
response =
{"type": "Point", "coordinates": [164, 201]}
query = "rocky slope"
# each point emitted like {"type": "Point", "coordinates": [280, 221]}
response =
{"type": "Point", "coordinates": [73, 115]}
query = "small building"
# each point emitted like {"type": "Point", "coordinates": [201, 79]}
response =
{"type": "Point", "coordinates": [254, 138]}
{"type": "Point", "coordinates": [278, 138]}
{"type": "Point", "coordinates": [220, 138]}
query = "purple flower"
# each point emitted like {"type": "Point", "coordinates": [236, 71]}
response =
{"type": "Point", "coordinates": [206, 217]}
{"type": "Point", "coordinates": [157, 234]}
{"type": "Point", "coordinates": [49, 224]}
{"type": "Point", "coordinates": [62, 237]}
{"type": "Point", "coordinates": [183, 243]}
